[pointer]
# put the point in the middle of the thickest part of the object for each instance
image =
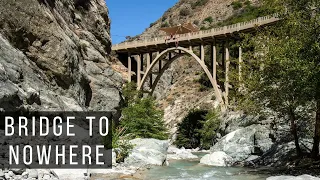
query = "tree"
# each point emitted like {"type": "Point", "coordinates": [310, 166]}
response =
{"type": "Point", "coordinates": [141, 118]}
{"type": "Point", "coordinates": [189, 135]}
{"type": "Point", "coordinates": [284, 73]}
{"type": "Point", "coordinates": [208, 132]}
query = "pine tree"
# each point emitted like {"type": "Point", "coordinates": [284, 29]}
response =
{"type": "Point", "coordinates": [141, 118]}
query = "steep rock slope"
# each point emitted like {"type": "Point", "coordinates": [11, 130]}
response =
{"type": "Point", "coordinates": [54, 55]}
{"type": "Point", "coordinates": [201, 13]}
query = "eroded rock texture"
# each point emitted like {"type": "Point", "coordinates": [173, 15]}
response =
{"type": "Point", "coordinates": [54, 55]}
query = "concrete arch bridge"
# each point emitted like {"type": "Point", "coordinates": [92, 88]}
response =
{"type": "Point", "coordinates": [159, 54]}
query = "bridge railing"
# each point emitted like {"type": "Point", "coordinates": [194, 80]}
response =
{"type": "Point", "coordinates": [199, 34]}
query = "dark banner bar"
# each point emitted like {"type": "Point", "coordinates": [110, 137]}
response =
{"type": "Point", "coordinates": [56, 140]}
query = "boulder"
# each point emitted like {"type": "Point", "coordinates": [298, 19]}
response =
{"type": "Point", "coordinates": [302, 177]}
{"type": "Point", "coordinates": [32, 173]}
{"type": "Point", "coordinates": [176, 153]}
{"type": "Point", "coordinates": [242, 143]}
{"type": "Point", "coordinates": [218, 158]}
{"type": "Point", "coordinates": [172, 149]}
{"type": "Point", "coordinates": [252, 158]}
{"type": "Point", "coordinates": [147, 152]}
{"type": "Point", "coordinates": [282, 154]}
{"type": "Point", "coordinates": [18, 171]}
{"type": "Point", "coordinates": [46, 177]}
{"type": "Point", "coordinates": [70, 174]}
{"type": "Point", "coordinates": [7, 176]}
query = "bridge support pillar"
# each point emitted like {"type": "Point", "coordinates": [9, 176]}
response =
{"type": "Point", "coordinates": [141, 59]}
{"type": "Point", "coordinates": [226, 86]}
{"type": "Point", "coordinates": [214, 61]}
{"type": "Point", "coordinates": [148, 60]}
{"type": "Point", "coordinates": [160, 62]}
{"type": "Point", "coordinates": [240, 64]}
{"type": "Point", "coordinates": [202, 52]}
{"type": "Point", "coordinates": [138, 70]}
{"type": "Point", "coordinates": [129, 67]}
{"type": "Point", "coordinates": [148, 65]}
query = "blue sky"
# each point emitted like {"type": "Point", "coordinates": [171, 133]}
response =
{"type": "Point", "coordinates": [132, 17]}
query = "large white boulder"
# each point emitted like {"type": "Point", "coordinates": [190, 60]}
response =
{"type": "Point", "coordinates": [176, 153]}
{"type": "Point", "coordinates": [302, 177]}
{"type": "Point", "coordinates": [147, 152]}
{"type": "Point", "coordinates": [242, 143]}
{"type": "Point", "coordinates": [172, 149]}
{"type": "Point", "coordinates": [218, 158]}
{"type": "Point", "coordinates": [70, 174]}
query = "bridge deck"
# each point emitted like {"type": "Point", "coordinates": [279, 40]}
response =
{"type": "Point", "coordinates": [192, 39]}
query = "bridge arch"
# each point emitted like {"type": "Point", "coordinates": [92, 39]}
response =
{"type": "Point", "coordinates": [185, 51]}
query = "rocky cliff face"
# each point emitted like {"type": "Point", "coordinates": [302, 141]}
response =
{"type": "Point", "coordinates": [54, 55]}
{"type": "Point", "coordinates": [201, 13]}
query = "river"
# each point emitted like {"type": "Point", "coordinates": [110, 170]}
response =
{"type": "Point", "coordinates": [192, 170]}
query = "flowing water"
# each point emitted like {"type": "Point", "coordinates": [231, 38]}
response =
{"type": "Point", "coordinates": [192, 170]}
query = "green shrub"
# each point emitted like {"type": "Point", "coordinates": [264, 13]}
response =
{"type": "Point", "coordinates": [130, 93]}
{"type": "Point", "coordinates": [205, 81]}
{"type": "Point", "coordinates": [208, 19]}
{"type": "Point", "coordinates": [199, 3]}
{"type": "Point", "coordinates": [236, 5]}
{"type": "Point", "coordinates": [152, 24]}
{"type": "Point", "coordinates": [198, 129]}
{"type": "Point", "coordinates": [247, 3]}
{"type": "Point", "coordinates": [185, 12]}
{"type": "Point", "coordinates": [164, 17]}
{"type": "Point", "coordinates": [248, 13]}
{"type": "Point", "coordinates": [141, 118]}
{"type": "Point", "coordinates": [203, 28]}
{"type": "Point", "coordinates": [203, 88]}
{"type": "Point", "coordinates": [211, 125]}
{"type": "Point", "coordinates": [171, 23]}
{"type": "Point", "coordinates": [121, 144]}
{"type": "Point", "coordinates": [196, 22]}
{"type": "Point", "coordinates": [124, 147]}
{"type": "Point", "coordinates": [189, 135]}
{"type": "Point", "coordinates": [165, 24]}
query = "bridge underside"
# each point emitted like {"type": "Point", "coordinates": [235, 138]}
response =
{"type": "Point", "coordinates": [147, 68]}
{"type": "Point", "coordinates": [147, 61]}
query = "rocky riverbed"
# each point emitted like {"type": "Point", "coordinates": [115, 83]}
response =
{"type": "Point", "coordinates": [156, 159]}
{"type": "Point", "coordinates": [148, 154]}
